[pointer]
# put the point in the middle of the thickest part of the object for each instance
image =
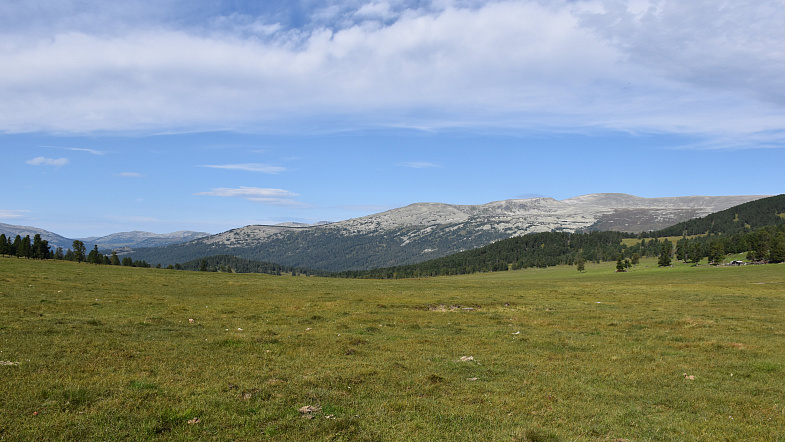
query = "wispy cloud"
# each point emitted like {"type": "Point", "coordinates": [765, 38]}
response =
{"type": "Point", "coordinates": [418, 165]}
{"type": "Point", "coordinates": [278, 197]}
{"type": "Point", "coordinates": [12, 214]}
{"type": "Point", "coordinates": [129, 175]}
{"type": "Point", "coordinates": [79, 149]}
{"type": "Point", "coordinates": [250, 167]}
{"type": "Point", "coordinates": [43, 161]}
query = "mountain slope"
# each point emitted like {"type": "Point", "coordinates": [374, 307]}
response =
{"type": "Point", "coordinates": [143, 239]}
{"type": "Point", "coordinates": [424, 231]}
{"type": "Point", "coordinates": [113, 241]}
{"type": "Point", "coordinates": [742, 218]}
{"type": "Point", "coordinates": [54, 239]}
{"type": "Point", "coordinates": [736, 229]}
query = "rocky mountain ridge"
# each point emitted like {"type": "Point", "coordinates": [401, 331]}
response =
{"type": "Point", "coordinates": [423, 231]}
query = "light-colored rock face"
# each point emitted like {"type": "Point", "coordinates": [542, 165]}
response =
{"type": "Point", "coordinates": [606, 211]}
{"type": "Point", "coordinates": [704, 204]}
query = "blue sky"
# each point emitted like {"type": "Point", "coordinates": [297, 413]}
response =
{"type": "Point", "coordinates": [210, 115]}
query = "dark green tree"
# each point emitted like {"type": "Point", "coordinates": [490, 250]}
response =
{"type": "Point", "coordinates": [94, 257]}
{"type": "Point", "coordinates": [15, 246]}
{"type": "Point", "coordinates": [760, 245]}
{"type": "Point", "coordinates": [681, 250]}
{"type": "Point", "coordinates": [3, 245]}
{"type": "Point", "coordinates": [114, 260]}
{"type": "Point", "coordinates": [620, 265]}
{"type": "Point", "coordinates": [79, 250]}
{"type": "Point", "coordinates": [777, 249]}
{"type": "Point", "coordinates": [695, 252]}
{"type": "Point", "coordinates": [41, 248]}
{"type": "Point", "coordinates": [25, 249]}
{"type": "Point", "coordinates": [716, 252]}
{"type": "Point", "coordinates": [666, 250]}
{"type": "Point", "coordinates": [581, 263]}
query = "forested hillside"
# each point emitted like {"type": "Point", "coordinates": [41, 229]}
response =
{"type": "Point", "coordinates": [757, 228]}
{"type": "Point", "coordinates": [739, 219]}
{"type": "Point", "coordinates": [533, 250]}
{"type": "Point", "coordinates": [331, 249]}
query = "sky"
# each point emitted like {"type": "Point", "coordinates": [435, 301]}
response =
{"type": "Point", "coordinates": [209, 115]}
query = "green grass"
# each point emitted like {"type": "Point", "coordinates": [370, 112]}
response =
{"type": "Point", "coordinates": [109, 353]}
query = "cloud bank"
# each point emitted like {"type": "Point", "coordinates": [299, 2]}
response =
{"type": "Point", "coordinates": [715, 69]}
{"type": "Point", "coordinates": [43, 161]}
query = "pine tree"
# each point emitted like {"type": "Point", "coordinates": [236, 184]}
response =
{"type": "Point", "coordinates": [666, 249]}
{"type": "Point", "coordinates": [94, 257]}
{"type": "Point", "coordinates": [15, 246]}
{"type": "Point", "coordinates": [79, 251]}
{"type": "Point", "coordinates": [40, 247]}
{"type": "Point", "coordinates": [695, 252]}
{"type": "Point", "coordinates": [716, 252]}
{"type": "Point", "coordinates": [25, 249]}
{"type": "Point", "coordinates": [777, 250]}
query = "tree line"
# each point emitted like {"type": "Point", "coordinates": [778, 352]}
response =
{"type": "Point", "coordinates": [24, 248]}
{"type": "Point", "coordinates": [765, 245]}
{"type": "Point", "coordinates": [39, 248]}
{"type": "Point", "coordinates": [234, 264]}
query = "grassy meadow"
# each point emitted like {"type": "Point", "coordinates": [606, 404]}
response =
{"type": "Point", "coordinates": [117, 353]}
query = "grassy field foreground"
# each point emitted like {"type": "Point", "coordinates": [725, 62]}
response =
{"type": "Point", "coordinates": [101, 352]}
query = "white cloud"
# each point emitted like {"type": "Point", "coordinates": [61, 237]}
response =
{"type": "Point", "coordinates": [419, 165]}
{"type": "Point", "coordinates": [129, 175]}
{"type": "Point", "coordinates": [250, 167]}
{"type": "Point", "coordinates": [375, 10]}
{"type": "Point", "coordinates": [78, 149]}
{"type": "Point", "coordinates": [708, 68]}
{"type": "Point", "coordinates": [90, 151]}
{"type": "Point", "coordinates": [277, 197]}
{"type": "Point", "coordinates": [43, 161]}
{"type": "Point", "coordinates": [12, 214]}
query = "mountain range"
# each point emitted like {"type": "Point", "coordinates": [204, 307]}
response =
{"type": "Point", "coordinates": [407, 235]}
{"type": "Point", "coordinates": [424, 231]}
{"type": "Point", "coordinates": [115, 241]}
